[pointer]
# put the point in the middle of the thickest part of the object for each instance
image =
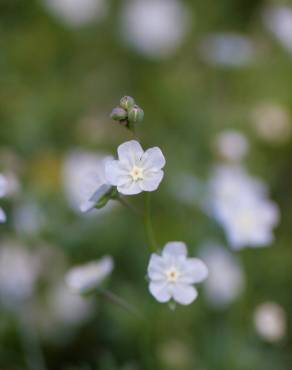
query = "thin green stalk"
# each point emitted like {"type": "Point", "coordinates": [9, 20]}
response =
{"type": "Point", "coordinates": [148, 224]}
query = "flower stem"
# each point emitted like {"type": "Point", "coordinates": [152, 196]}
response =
{"type": "Point", "coordinates": [113, 298]}
{"type": "Point", "coordinates": [148, 224]}
{"type": "Point", "coordinates": [128, 205]}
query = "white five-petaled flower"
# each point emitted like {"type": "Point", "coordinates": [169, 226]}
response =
{"type": "Point", "coordinates": [135, 170]}
{"type": "Point", "coordinates": [172, 274]}
{"type": "Point", "coordinates": [89, 276]}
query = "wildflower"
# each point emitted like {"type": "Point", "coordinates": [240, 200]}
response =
{"type": "Point", "coordinates": [226, 279]}
{"type": "Point", "coordinates": [240, 204]}
{"type": "Point", "coordinates": [272, 123]}
{"type": "Point", "coordinates": [89, 276]}
{"type": "Point", "coordinates": [251, 223]}
{"type": "Point", "coordinates": [172, 274]}
{"type": "Point", "coordinates": [270, 321]}
{"type": "Point", "coordinates": [76, 13]}
{"type": "Point", "coordinates": [227, 50]}
{"type": "Point", "coordinates": [19, 270]}
{"type": "Point", "coordinates": [278, 20]}
{"type": "Point", "coordinates": [3, 192]}
{"type": "Point", "coordinates": [135, 170]}
{"type": "Point", "coordinates": [148, 26]}
{"type": "Point", "coordinates": [232, 145]}
{"type": "Point", "coordinates": [84, 179]}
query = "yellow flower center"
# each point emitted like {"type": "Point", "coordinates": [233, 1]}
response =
{"type": "Point", "coordinates": [137, 173]}
{"type": "Point", "coordinates": [172, 275]}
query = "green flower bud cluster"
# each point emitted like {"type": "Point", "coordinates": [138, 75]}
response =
{"type": "Point", "coordinates": [128, 113]}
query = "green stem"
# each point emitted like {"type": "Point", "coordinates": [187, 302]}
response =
{"type": "Point", "coordinates": [113, 298]}
{"type": "Point", "coordinates": [128, 205]}
{"type": "Point", "coordinates": [148, 224]}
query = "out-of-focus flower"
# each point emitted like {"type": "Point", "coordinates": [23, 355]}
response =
{"type": "Point", "coordinates": [3, 192]}
{"type": "Point", "coordinates": [155, 28]}
{"type": "Point", "coordinates": [239, 203]}
{"type": "Point", "coordinates": [227, 49]}
{"type": "Point", "coordinates": [270, 321]}
{"type": "Point", "coordinates": [272, 123]}
{"type": "Point", "coordinates": [84, 179]}
{"type": "Point", "coordinates": [135, 170]}
{"type": "Point", "coordinates": [251, 223]}
{"type": "Point", "coordinates": [19, 270]}
{"type": "Point", "coordinates": [86, 277]}
{"type": "Point", "coordinates": [172, 274]}
{"type": "Point", "coordinates": [68, 308]}
{"type": "Point", "coordinates": [278, 20]}
{"type": "Point", "coordinates": [226, 279]}
{"type": "Point", "coordinates": [77, 12]}
{"type": "Point", "coordinates": [175, 354]}
{"type": "Point", "coordinates": [28, 217]}
{"type": "Point", "coordinates": [231, 145]}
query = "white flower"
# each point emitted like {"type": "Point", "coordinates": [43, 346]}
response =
{"type": "Point", "coordinates": [3, 192]}
{"type": "Point", "coordinates": [155, 28]}
{"type": "Point", "coordinates": [135, 170]}
{"type": "Point", "coordinates": [84, 179]}
{"type": "Point", "coordinates": [251, 223]}
{"type": "Point", "coordinates": [76, 12]}
{"type": "Point", "coordinates": [270, 321]}
{"type": "Point", "coordinates": [89, 276]}
{"type": "Point", "coordinates": [226, 279]}
{"type": "Point", "coordinates": [227, 185]}
{"type": "Point", "coordinates": [240, 204]}
{"type": "Point", "coordinates": [172, 274]}
{"type": "Point", "coordinates": [232, 145]}
{"type": "Point", "coordinates": [278, 20]}
{"type": "Point", "coordinates": [18, 273]}
{"type": "Point", "coordinates": [272, 123]}
{"type": "Point", "coordinates": [227, 49]}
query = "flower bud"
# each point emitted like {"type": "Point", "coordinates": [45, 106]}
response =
{"type": "Point", "coordinates": [127, 102]}
{"type": "Point", "coordinates": [135, 114]}
{"type": "Point", "coordinates": [118, 114]}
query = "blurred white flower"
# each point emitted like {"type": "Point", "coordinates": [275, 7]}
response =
{"type": "Point", "coordinates": [172, 274]}
{"type": "Point", "coordinates": [135, 170]}
{"type": "Point", "coordinates": [68, 308]}
{"type": "Point", "coordinates": [278, 20]}
{"type": "Point", "coordinates": [84, 179]}
{"type": "Point", "coordinates": [226, 279]}
{"type": "Point", "coordinates": [19, 270]}
{"type": "Point", "coordinates": [239, 203]}
{"type": "Point", "coordinates": [272, 123]}
{"type": "Point", "coordinates": [28, 217]}
{"type": "Point", "coordinates": [227, 49]}
{"type": "Point", "coordinates": [155, 28]}
{"type": "Point", "coordinates": [270, 321]}
{"type": "Point", "coordinates": [89, 276]}
{"type": "Point", "coordinates": [251, 223]}
{"type": "Point", "coordinates": [3, 192]}
{"type": "Point", "coordinates": [231, 145]}
{"type": "Point", "coordinates": [77, 12]}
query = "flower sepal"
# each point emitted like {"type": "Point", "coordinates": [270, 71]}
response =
{"type": "Point", "coordinates": [111, 194]}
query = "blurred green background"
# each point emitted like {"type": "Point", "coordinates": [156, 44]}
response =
{"type": "Point", "coordinates": [60, 77]}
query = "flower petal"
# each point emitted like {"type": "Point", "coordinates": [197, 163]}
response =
{"type": "Point", "coordinates": [153, 159]}
{"type": "Point", "coordinates": [160, 291]}
{"type": "Point", "coordinates": [184, 294]}
{"type": "Point", "coordinates": [194, 271]}
{"type": "Point", "coordinates": [151, 181]}
{"type": "Point", "coordinates": [115, 173]}
{"type": "Point", "coordinates": [129, 188]}
{"type": "Point", "coordinates": [130, 152]}
{"type": "Point", "coordinates": [175, 249]}
{"type": "Point", "coordinates": [92, 201]}
{"type": "Point", "coordinates": [156, 267]}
